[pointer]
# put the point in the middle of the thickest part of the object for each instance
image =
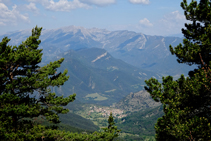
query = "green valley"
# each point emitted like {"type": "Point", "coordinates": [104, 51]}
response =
{"type": "Point", "coordinates": [104, 84]}
{"type": "Point", "coordinates": [136, 120]}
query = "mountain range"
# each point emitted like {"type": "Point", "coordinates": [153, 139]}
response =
{"type": "Point", "coordinates": [140, 50]}
{"type": "Point", "coordinates": [105, 66]}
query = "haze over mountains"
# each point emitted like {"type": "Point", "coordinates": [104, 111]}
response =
{"type": "Point", "coordinates": [143, 51]}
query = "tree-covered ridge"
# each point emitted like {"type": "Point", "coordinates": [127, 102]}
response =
{"type": "Point", "coordinates": [141, 123]}
{"type": "Point", "coordinates": [20, 76]}
{"type": "Point", "coordinates": [186, 101]}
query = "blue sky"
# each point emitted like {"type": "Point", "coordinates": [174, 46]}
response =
{"type": "Point", "coordinates": [151, 17]}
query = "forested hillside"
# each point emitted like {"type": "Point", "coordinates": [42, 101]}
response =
{"type": "Point", "coordinates": [99, 78]}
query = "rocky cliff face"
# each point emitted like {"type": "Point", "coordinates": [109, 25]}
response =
{"type": "Point", "coordinates": [137, 102]}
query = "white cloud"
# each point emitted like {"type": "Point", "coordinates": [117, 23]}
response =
{"type": "Point", "coordinates": [61, 5]}
{"type": "Point", "coordinates": [99, 2]}
{"type": "Point", "coordinates": [169, 24]}
{"type": "Point", "coordinates": [11, 17]}
{"type": "Point", "coordinates": [175, 15]}
{"type": "Point", "coordinates": [173, 21]}
{"type": "Point", "coordinates": [145, 22]}
{"type": "Point", "coordinates": [65, 5]}
{"type": "Point", "coordinates": [139, 1]}
{"type": "Point", "coordinates": [5, 1]}
{"type": "Point", "coordinates": [32, 7]}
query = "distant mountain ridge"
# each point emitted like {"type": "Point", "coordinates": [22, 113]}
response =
{"type": "Point", "coordinates": [143, 51]}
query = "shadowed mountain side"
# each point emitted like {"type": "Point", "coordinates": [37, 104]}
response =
{"type": "Point", "coordinates": [101, 59]}
{"type": "Point", "coordinates": [77, 121]}
{"type": "Point", "coordinates": [72, 122]}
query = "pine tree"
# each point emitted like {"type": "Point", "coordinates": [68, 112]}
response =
{"type": "Point", "coordinates": [186, 101]}
{"type": "Point", "coordinates": [25, 94]}
{"type": "Point", "coordinates": [111, 128]}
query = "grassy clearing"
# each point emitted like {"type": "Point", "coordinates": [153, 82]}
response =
{"type": "Point", "coordinates": [113, 90]}
{"type": "Point", "coordinates": [96, 97]}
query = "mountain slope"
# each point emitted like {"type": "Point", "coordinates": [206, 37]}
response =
{"type": "Point", "coordinates": [97, 77]}
{"type": "Point", "coordinates": [77, 121]}
{"type": "Point", "coordinates": [142, 122]}
{"type": "Point", "coordinates": [72, 122]}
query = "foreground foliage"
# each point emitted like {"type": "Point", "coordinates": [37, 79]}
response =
{"type": "Point", "coordinates": [186, 101]}
{"type": "Point", "coordinates": [24, 95]}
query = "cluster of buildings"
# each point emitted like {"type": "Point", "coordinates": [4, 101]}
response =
{"type": "Point", "coordinates": [105, 111]}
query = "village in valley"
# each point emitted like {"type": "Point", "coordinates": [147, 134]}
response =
{"type": "Point", "coordinates": [105, 111]}
{"type": "Point", "coordinates": [99, 114]}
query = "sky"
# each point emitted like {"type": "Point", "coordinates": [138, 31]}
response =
{"type": "Point", "coordinates": [150, 17]}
